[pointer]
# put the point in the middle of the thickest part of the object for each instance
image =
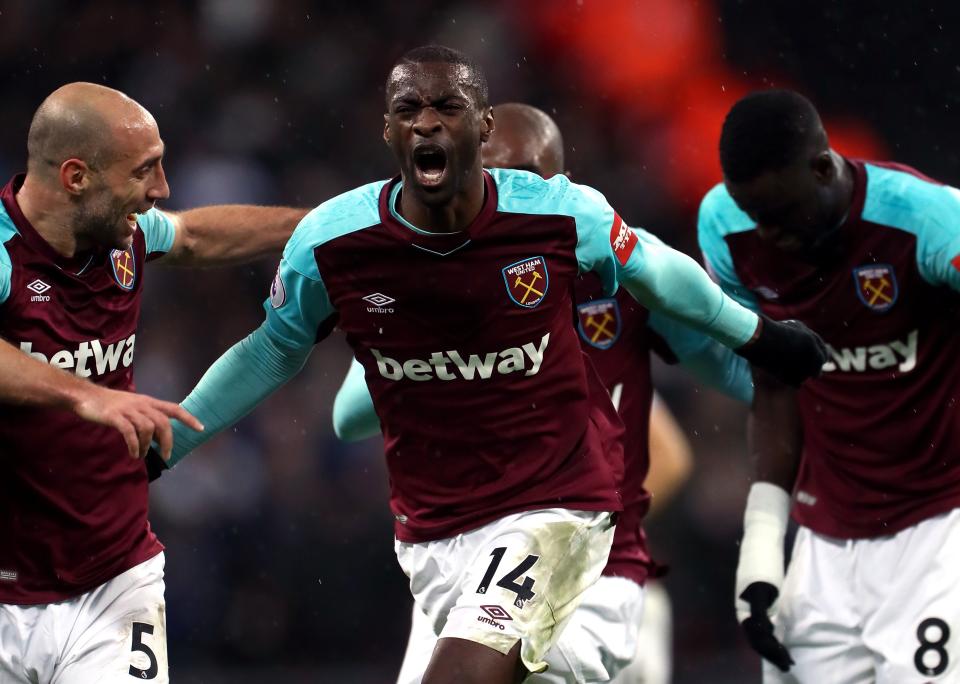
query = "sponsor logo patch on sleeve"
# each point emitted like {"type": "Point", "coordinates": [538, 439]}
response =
{"type": "Point", "coordinates": [278, 294]}
{"type": "Point", "coordinates": [622, 239]}
{"type": "Point", "coordinates": [956, 262]}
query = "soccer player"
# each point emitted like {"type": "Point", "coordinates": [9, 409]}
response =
{"type": "Point", "coordinates": [869, 254]}
{"type": "Point", "coordinates": [617, 335]}
{"type": "Point", "coordinates": [453, 286]}
{"type": "Point", "coordinates": [81, 573]}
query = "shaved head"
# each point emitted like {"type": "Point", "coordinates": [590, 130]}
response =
{"type": "Point", "coordinates": [82, 121]}
{"type": "Point", "coordinates": [525, 138]}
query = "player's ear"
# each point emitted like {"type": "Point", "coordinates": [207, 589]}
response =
{"type": "Point", "coordinates": [823, 167]}
{"type": "Point", "coordinates": [487, 125]}
{"type": "Point", "coordinates": [386, 128]}
{"type": "Point", "coordinates": [75, 176]}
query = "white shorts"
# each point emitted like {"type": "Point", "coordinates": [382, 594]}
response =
{"type": "Point", "coordinates": [598, 641]}
{"type": "Point", "coordinates": [114, 634]}
{"type": "Point", "coordinates": [653, 662]}
{"type": "Point", "coordinates": [873, 611]}
{"type": "Point", "coordinates": [518, 578]}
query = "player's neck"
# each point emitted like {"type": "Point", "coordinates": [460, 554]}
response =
{"type": "Point", "coordinates": [451, 217]}
{"type": "Point", "coordinates": [46, 212]}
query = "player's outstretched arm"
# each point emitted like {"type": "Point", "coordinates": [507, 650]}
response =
{"type": "Point", "coordinates": [235, 384]}
{"type": "Point", "coordinates": [706, 359]}
{"type": "Point", "coordinates": [775, 439]}
{"type": "Point", "coordinates": [137, 417]}
{"type": "Point", "coordinates": [230, 233]}
{"type": "Point", "coordinates": [667, 281]}
{"type": "Point", "coordinates": [354, 417]}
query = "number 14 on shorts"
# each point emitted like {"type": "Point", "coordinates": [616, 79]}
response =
{"type": "Point", "coordinates": [524, 590]}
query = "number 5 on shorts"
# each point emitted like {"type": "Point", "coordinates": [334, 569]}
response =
{"type": "Point", "coordinates": [139, 629]}
{"type": "Point", "coordinates": [523, 591]}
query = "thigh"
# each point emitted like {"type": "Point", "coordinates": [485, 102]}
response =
{"type": "Point", "coordinates": [653, 660]}
{"type": "Point", "coordinates": [601, 637]}
{"type": "Point", "coordinates": [420, 647]}
{"type": "Point", "coordinates": [915, 632]}
{"type": "Point", "coordinates": [521, 578]}
{"type": "Point", "coordinates": [28, 651]}
{"type": "Point", "coordinates": [819, 620]}
{"type": "Point", "coordinates": [120, 633]}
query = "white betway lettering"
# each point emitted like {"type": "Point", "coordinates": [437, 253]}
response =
{"type": "Point", "coordinates": [903, 355]}
{"type": "Point", "coordinates": [105, 359]}
{"type": "Point", "coordinates": [451, 365]}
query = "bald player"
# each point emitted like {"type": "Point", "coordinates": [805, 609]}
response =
{"type": "Point", "coordinates": [617, 335]}
{"type": "Point", "coordinates": [81, 573]}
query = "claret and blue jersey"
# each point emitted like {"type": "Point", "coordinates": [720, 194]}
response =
{"type": "Point", "coordinates": [881, 424]}
{"type": "Point", "coordinates": [466, 341]}
{"type": "Point", "coordinates": [79, 314]}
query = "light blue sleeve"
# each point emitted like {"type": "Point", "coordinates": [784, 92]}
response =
{"type": "Point", "coordinates": [249, 371]}
{"type": "Point", "coordinates": [719, 216]}
{"type": "Point", "coordinates": [158, 231]}
{"type": "Point", "coordinates": [6, 272]}
{"type": "Point", "coordinates": [707, 360]}
{"type": "Point", "coordinates": [928, 210]}
{"type": "Point", "coordinates": [354, 417]}
{"type": "Point", "coordinates": [7, 231]}
{"type": "Point", "coordinates": [657, 276]}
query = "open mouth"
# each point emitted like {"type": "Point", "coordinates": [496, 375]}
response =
{"type": "Point", "coordinates": [430, 163]}
{"type": "Point", "coordinates": [132, 222]}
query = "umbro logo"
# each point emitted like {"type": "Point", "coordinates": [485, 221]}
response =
{"type": "Point", "coordinates": [38, 287]}
{"type": "Point", "coordinates": [380, 303]}
{"type": "Point", "coordinates": [378, 299]}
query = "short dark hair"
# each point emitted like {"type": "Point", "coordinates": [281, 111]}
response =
{"type": "Point", "coordinates": [426, 54]}
{"type": "Point", "coordinates": [766, 131]}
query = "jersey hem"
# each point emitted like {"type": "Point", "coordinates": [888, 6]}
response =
{"type": "Point", "coordinates": [832, 527]}
{"type": "Point", "coordinates": [33, 598]}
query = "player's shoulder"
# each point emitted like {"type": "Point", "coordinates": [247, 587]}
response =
{"type": "Point", "coordinates": [522, 192]}
{"type": "Point", "coordinates": [901, 197]}
{"type": "Point", "coordinates": [720, 215]}
{"type": "Point", "coordinates": [8, 230]}
{"type": "Point", "coordinates": [341, 215]}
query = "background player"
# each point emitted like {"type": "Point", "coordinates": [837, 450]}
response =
{"type": "Point", "coordinates": [81, 573]}
{"type": "Point", "coordinates": [618, 335]}
{"type": "Point", "coordinates": [869, 254]}
{"type": "Point", "coordinates": [404, 268]}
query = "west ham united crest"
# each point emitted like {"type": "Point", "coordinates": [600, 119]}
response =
{"type": "Point", "coordinates": [876, 286]}
{"type": "Point", "coordinates": [599, 322]}
{"type": "Point", "coordinates": [124, 267]}
{"type": "Point", "coordinates": [527, 281]}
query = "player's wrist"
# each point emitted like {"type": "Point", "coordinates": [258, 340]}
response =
{"type": "Point", "coordinates": [765, 522]}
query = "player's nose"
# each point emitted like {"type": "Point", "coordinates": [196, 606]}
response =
{"type": "Point", "coordinates": [159, 189]}
{"type": "Point", "coordinates": [427, 122]}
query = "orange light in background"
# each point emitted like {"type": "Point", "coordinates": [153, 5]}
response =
{"type": "Point", "coordinates": [661, 60]}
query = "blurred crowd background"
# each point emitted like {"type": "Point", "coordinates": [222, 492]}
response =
{"type": "Point", "coordinates": [280, 563]}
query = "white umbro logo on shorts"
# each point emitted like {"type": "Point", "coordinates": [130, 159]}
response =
{"type": "Point", "coordinates": [38, 286]}
{"type": "Point", "coordinates": [379, 299]}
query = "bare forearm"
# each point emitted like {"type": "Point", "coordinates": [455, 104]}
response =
{"type": "Point", "coordinates": [671, 457]}
{"type": "Point", "coordinates": [30, 382]}
{"type": "Point", "coordinates": [775, 432]}
{"type": "Point", "coordinates": [231, 233]}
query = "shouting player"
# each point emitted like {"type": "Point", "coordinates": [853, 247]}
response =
{"type": "Point", "coordinates": [869, 254]}
{"type": "Point", "coordinates": [81, 573]}
{"type": "Point", "coordinates": [453, 286]}
{"type": "Point", "coordinates": [617, 334]}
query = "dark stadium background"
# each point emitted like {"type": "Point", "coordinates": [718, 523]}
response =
{"type": "Point", "coordinates": [279, 556]}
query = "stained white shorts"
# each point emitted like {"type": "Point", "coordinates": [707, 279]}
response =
{"type": "Point", "coordinates": [114, 634]}
{"type": "Point", "coordinates": [518, 578]}
{"type": "Point", "coordinates": [873, 611]}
